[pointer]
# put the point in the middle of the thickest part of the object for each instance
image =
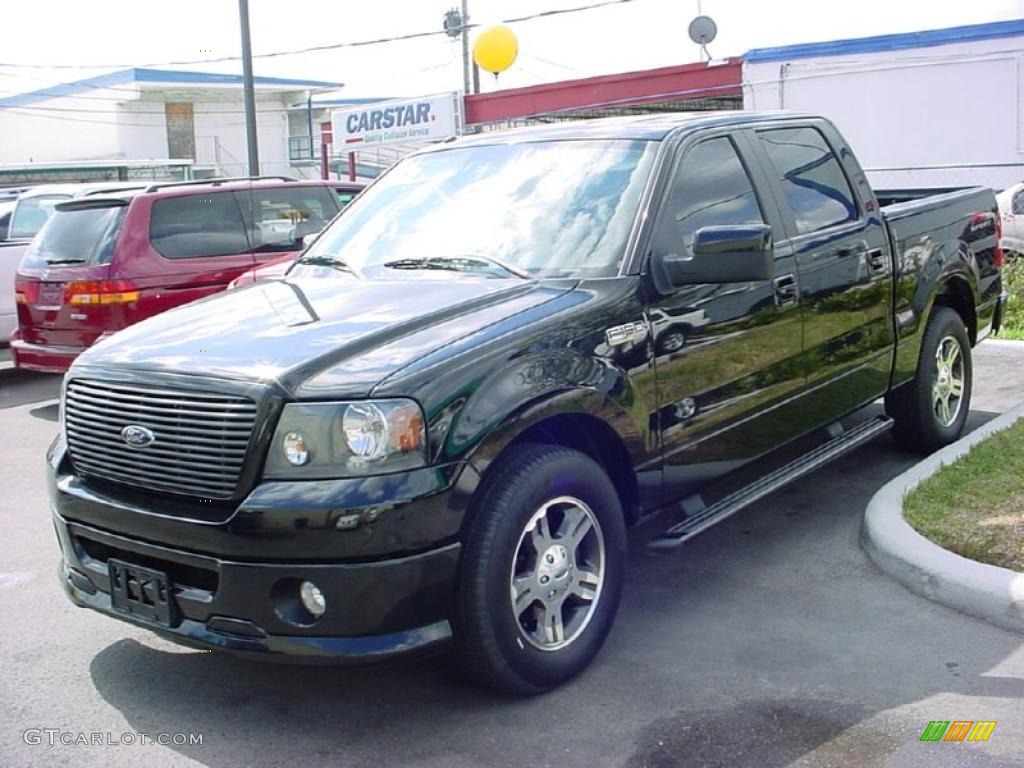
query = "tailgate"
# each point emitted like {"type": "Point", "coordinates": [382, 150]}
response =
{"type": "Point", "coordinates": [45, 312]}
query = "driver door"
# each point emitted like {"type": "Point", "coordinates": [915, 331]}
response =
{"type": "Point", "coordinates": [725, 354]}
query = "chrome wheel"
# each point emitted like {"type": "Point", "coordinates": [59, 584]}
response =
{"type": "Point", "coordinates": [557, 573]}
{"type": "Point", "coordinates": [948, 389]}
{"type": "Point", "coordinates": [674, 341]}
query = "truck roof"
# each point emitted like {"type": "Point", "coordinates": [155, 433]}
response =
{"type": "Point", "coordinates": [644, 127]}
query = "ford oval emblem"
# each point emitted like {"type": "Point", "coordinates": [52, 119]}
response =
{"type": "Point", "coordinates": [137, 437]}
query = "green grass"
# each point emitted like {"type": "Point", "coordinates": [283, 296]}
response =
{"type": "Point", "coordinates": [1013, 319]}
{"type": "Point", "coordinates": [975, 506]}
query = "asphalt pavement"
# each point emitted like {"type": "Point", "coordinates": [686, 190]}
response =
{"type": "Point", "coordinates": [768, 641]}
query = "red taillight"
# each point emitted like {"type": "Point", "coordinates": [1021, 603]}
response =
{"type": "Point", "coordinates": [26, 292]}
{"type": "Point", "coordinates": [100, 292]}
{"type": "Point", "coordinates": [997, 253]}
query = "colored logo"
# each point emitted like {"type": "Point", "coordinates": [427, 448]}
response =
{"type": "Point", "coordinates": [958, 730]}
{"type": "Point", "coordinates": [137, 437]}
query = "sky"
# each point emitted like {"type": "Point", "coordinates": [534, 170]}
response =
{"type": "Point", "coordinates": [84, 37]}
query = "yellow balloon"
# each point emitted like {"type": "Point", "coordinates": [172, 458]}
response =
{"type": "Point", "coordinates": [495, 49]}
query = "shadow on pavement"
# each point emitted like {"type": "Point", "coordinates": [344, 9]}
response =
{"type": "Point", "coordinates": [19, 387]}
{"type": "Point", "coordinates": [769, 637]}
{"type": "Point", "coordinates": [46, 412]}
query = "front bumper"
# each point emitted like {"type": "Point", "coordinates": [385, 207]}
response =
{"type": "Point", "coordinates": [44, 358]}
{"type": "Point", "coordinates": [384, 554]}
{"type": "Point", "coordinates": [242, 609]}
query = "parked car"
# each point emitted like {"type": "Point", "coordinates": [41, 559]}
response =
{"type": "Point", "coordinates": [1011, 208]}
{"type": "Point", "coordinates": [276, 268]}
{"type": "Point", "coordinates": [104, 262]}
{"type": "Point", "coordinates": [32, 208]}
{"type": "Point", "coordinates": [442, 446]}
{"type": "Point", "coordinates": [6, 208]}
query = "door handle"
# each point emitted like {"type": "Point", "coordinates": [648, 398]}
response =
{"type": "Point", "coordinates": [877, 262]}
{"type": "Point", "coordinates": [786, 290]}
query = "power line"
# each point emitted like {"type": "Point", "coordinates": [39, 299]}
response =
{"type": "Point", "coordinates": [326, 47]}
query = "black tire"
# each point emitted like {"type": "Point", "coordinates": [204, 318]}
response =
{"type": "Point", "coordinates": [492, 645]}
{"type": "Point", "coordinates": [918, 426]}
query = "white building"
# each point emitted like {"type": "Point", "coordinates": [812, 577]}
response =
{"type": "Point", "coordinates": [933, 109]}
{"type": "Point", "coordinates": [150, 114]}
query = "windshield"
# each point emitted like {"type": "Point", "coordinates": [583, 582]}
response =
{"type": "Point", "coordinates": [83, 236]}
{"type": "Point", "coordinates": [537, 209]}
{"type": "Point", "coordinates": [30, 215]}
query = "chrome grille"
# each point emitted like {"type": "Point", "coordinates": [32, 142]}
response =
{"type": "Point", "coordinates": [200, 441]}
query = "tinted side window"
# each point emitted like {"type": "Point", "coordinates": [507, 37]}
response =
{"type": "Point", "coordinates": [197, 225]}
{"type": "Point", "coordinates": [278, 218]}
{"type": "Point", "coordinates": [818, 193]}
{"type": "Point", "coordinates": [711, 187]}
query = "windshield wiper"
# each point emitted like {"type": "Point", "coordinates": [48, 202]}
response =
{"type": "Point", "coordinates": [325, 261]}
{"type": "Point", "coordinates": [455, 264]}
{"type": "Point", "coordinates": [65, 261]}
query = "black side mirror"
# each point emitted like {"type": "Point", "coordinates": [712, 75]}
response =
{"type": "Point", "coordinates": [735, 253]}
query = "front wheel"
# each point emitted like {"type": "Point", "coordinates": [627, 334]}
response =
{"type": "Point", "coordinates": [542, 570]}
{"type": "Point", "coordinates": [930, 411]}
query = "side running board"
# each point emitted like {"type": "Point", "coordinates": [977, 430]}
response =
{"type": "Point", "coordinates": [704, 517]}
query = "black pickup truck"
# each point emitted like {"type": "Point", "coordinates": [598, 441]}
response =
{"type": "Point", "coordinates": [435, 431]}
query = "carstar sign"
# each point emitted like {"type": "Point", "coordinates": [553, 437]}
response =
{"type": "Point", "coordinates": [391, 122]}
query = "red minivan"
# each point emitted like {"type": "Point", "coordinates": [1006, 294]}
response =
{"type": "Point", "coordinates": [104, 262]}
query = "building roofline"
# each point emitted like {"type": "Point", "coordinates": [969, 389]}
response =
{"type": "Point", "coordinates": [341, 102]}
{"type": "Point", "coordinates": [922, 39]}
{"type": "Point", "coordinates": [142, 75]}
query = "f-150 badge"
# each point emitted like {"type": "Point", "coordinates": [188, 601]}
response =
{"type": "Point", "coordinates": [628, 332]}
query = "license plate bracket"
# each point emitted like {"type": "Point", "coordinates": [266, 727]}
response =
{"type": "Point", "coordinates": [51, 294]}
{"type": "Point", "coordinates": [141, 592]}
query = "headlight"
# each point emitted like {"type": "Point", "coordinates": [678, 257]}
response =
{"type": "Point", "coordinates": [325, 440]}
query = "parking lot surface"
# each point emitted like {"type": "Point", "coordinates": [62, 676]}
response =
{"type": "Point", "coordinates": [768, 641]}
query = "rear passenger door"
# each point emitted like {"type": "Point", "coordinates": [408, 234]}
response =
{"type": "Point", "coordinates": [277, 218]}
{"type": "Point", "coordinates": [843, 266]}
{"type": "Point", "coordinates": [181, 247]}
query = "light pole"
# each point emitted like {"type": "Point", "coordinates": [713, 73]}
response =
{"type": "Point", "coordinates": [250, 94]}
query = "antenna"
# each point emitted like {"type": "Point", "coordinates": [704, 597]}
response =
{"type": "Point", "coordinates": [702, 31]}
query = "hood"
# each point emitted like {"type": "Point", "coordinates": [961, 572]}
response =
{"type": "Point", "coordinates": [351, 333]}
{"type": "Point", "coordinates": [270, 271]}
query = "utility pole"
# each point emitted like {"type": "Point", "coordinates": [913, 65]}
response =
{"type": "Point", "coordinates": [250, 93]}
{"type": "Point", "coordinates": [465, 48]}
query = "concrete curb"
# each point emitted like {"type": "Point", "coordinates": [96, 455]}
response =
{"type": "Point", "coordinates": [986, 591]}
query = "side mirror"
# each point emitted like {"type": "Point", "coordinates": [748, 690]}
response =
{"type": "Point", "coordinates": [738, 253]}
{"type": "Point", "coordinates": [308, 240]}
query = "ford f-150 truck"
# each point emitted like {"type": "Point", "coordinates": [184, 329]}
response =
{"type": "Point", "coordinates": [434, 432]}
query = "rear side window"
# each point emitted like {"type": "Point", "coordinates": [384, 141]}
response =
{"type": "Point", "coordinates": [1018, 203]}
{"type": "Point", "coordinates": [76, 237]}
{"type": "Point", "coordinates": [279, 217]}
{"type": "Point", "coordinates": [30, 215]}
{"type": "Point", "coordinates": [816, 188]}
{"type": "Point", "coordinates": [194, 226]}
{"type": "Point", "coordinates": [711, 187]}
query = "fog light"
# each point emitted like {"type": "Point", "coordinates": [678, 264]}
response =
{"type": "Point", "coordinates": [295, 450]}
{"type": "Point", "coordinates": [312, 598]}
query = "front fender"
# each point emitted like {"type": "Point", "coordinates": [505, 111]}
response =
{"type": "Point", "coordinates": [537, 387]}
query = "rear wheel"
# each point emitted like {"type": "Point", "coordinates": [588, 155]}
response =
{"type": "Point", "coordinates": [930, 411]}
{"type": "Point", "coordinates": [542, 570]}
